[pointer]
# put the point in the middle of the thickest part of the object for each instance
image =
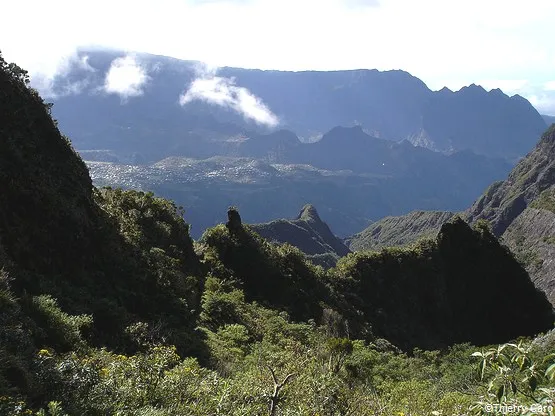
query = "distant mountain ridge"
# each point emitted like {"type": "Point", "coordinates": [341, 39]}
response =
{"type": "Point", "coordinates": [308, 233]}
{"type": "Point", "coordinates": [351, 148]}
{"type": "Point", "coordinates": [392, 105]}
{"type": "Point", "coordinates": [352, 177]}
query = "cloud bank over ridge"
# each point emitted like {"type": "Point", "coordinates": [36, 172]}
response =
{"type": "Point", "coordinates": [212, 89]}
{"type": "Point", "coordinates": [126, 78]}
{"type": "Point", "coordinates": [443, 43]}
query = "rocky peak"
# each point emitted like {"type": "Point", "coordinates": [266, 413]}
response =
{"type": "Point", "coordinates": [308, 213]}
{"type": "Point", "coordinates": [234, 223]}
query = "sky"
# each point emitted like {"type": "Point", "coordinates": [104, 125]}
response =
{"type": "Point", "coordinates": [503, 44]}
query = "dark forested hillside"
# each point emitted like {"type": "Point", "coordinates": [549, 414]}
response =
{"type": "Point", "coordinates": [414, 297]}
{"type": "Point", "coordinates": [520, 210]}
{"type": "Point", "coordinates": [107, 306]}
{"type": "Point", "coordinates": [422, 292]}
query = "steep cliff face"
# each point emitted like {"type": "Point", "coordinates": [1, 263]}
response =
{"type": "Point", "coordinates": [520, 209]}
{"type": "Point", "coordinates": [531, 236]}
{"type": "Point", "coordinates": [505, 200]}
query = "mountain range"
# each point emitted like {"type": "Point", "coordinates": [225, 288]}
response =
{"type": "Point", "coordinates": [386, 178]}
{"type": "Point", "coordinates": [126, 258]}
{"type": "Point", "coordinates": [270, 142]}
{"type": "Point", "coordinates": [182, 108]}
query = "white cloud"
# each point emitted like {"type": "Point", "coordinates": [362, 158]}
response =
{"type": "Point", "coordinates": [550, 86]}
{"type": "Point", "coordinates": [52, 82]}
{"type": "Point", "coordinates": [84, 64]}
{"type": "Point", "coordinates": [223, 92]}
{"type": "Point", "coordinates": [126, 77]}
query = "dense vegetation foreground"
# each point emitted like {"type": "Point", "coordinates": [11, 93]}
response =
{"type": "Point", "coordinates": [107, 307]}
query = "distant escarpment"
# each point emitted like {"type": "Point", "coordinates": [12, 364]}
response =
{"type": "Point", "coordinates": [392, 105]}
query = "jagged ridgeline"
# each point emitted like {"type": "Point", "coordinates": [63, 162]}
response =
{"type": "Point", "coordinates": [88, 274]}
